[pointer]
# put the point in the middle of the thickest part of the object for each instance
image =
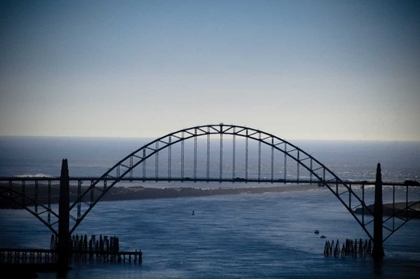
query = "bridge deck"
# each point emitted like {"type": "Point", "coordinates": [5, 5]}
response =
{"type": "Point", "coordinates": [198, 179]}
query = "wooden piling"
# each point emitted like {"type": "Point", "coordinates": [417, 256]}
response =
{"type": "Point", "coordinates": [350, 248]}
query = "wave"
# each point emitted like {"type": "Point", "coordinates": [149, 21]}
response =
{"type": "Point", "coordinates": [33, 175]}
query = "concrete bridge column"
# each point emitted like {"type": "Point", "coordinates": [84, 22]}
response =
{"type": "Point", "coordinates": [378, 249]}
{"type": "Point", "coordinates": [63, 249]}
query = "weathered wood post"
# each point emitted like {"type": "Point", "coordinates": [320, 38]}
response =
{"type": "Point", "coordinates": [378, 249]}
{"type": "Point", "coordinates": [63, 249]}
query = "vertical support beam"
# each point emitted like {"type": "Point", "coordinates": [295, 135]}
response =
{"type": "Point", "coordinates": [208, 154]}
{"type": "Point", "coordinates": [195, 155]}
{"type": "Point", "coordinates": [297, 166]}
{"type": "Point", "coordinates": [350, 196]}
{"type": "Point", "coordinates": [272, 159]}
{"type": "Point", "coordinates": [393, 207]}
{"type": "Point", "coordinates": [233, 154]}
{"type": "Point", "coordinates": [169, 158]}
{"type": "Point", "coordinates": [246, 156]}
{"type": "Point", "coordinates": [182, 155]}
{"type": "Point", "coordinates": [144, 164]}
{"type": "Point", "coordinates": [36, 196]}
{"type": "Point", "coordinates": [49, 202]}
{"type": "Point", "coordinates": [63, 248]}
{"type": "Point", "coordinates": [92, 193]}
{"type": "Point", "coordinates": [363, 205]}
{"type": "Point", "coordinates": [131, 167]}
{"type": "Point", "coordinates": [310, 173]}
{"type": "Point", "coordinates": [378, 249]}
{"type": "Point", "coordinates": [259, 157]}
{"type": "Point", "coordinates": [79, 203]}
{"type": "Point", "coordinates": [157, 161]}
{"type": "Point", "coordinates": [406, 202]}
{"type": "Point", "coordinates": [221, 155]}
{"type": "Point", "coordinates": [285, 162]}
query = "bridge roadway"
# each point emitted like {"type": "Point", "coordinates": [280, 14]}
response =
{"type": "Point", "coordinates": [198, 179]}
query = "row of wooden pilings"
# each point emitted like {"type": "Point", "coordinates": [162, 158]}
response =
{"type": "Point", "coordinates": [113, 257]}
{"type": "Point", "coordinates": [103, 249]}
{"type": "Point", "coordinates": [80, 243]}
{"type": "Point", "coordinates": [350, 248]}
{"type": "Point", "coordinates": [43, 256]}
{"type": "Point", "coordinates": [33, 256]}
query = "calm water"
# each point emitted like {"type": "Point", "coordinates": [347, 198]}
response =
{"type": "Point", "coordinates": [240, 236]}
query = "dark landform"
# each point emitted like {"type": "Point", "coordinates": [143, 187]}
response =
{"type": "Point", "coordinates": [389, 209]}
{"type": "Point", "coordinates": [139, 193]}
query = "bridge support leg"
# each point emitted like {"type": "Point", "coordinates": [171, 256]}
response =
{"type": "Point", "coordinates": [63, 249]}
{"type": "Point", "coordinates": [378, 249]}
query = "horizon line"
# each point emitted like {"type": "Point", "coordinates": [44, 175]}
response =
{"type": "Point", "coordinates": [153, 138]}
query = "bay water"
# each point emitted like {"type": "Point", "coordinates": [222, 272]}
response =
{"type": "Point", "coordinates": [267, 235]}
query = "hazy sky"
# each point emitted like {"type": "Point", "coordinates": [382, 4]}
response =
{"type": "Point", "coordinates": [297, 69]}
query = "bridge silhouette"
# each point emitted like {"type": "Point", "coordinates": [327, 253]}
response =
{"type": "Point", "coordinates": [216, 153]}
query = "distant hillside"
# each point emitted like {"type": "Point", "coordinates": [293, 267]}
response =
{"type": "Point", "coordinates": [389, 210]}
{"type": "Point", "coordinates": [139, 192]}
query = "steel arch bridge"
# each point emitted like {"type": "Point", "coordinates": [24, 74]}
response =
{"type": "Point", "coordinates": [315, 172]}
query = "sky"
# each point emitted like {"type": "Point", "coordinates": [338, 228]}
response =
{"type": "Point", "coordinates": [330, 70]}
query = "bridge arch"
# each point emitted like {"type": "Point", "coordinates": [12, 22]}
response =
{"type": "Point", "coordinates": [319, 173]}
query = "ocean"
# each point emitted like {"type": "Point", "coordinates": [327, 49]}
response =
{"type": "Point", "coordinates": [267, 235]}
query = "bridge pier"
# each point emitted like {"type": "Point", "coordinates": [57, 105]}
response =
{"type": "Point", "coordinates": [378, 249]}
{"type": "Point", "coordinates": [63, 246]}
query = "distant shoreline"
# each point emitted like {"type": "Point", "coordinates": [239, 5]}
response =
{"type": "Point", "coordinates": [121, 193]}
{"type": "Point", "coordinates": [389, 209]}
{"type": "Point", "coordinates": [140, 193]}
